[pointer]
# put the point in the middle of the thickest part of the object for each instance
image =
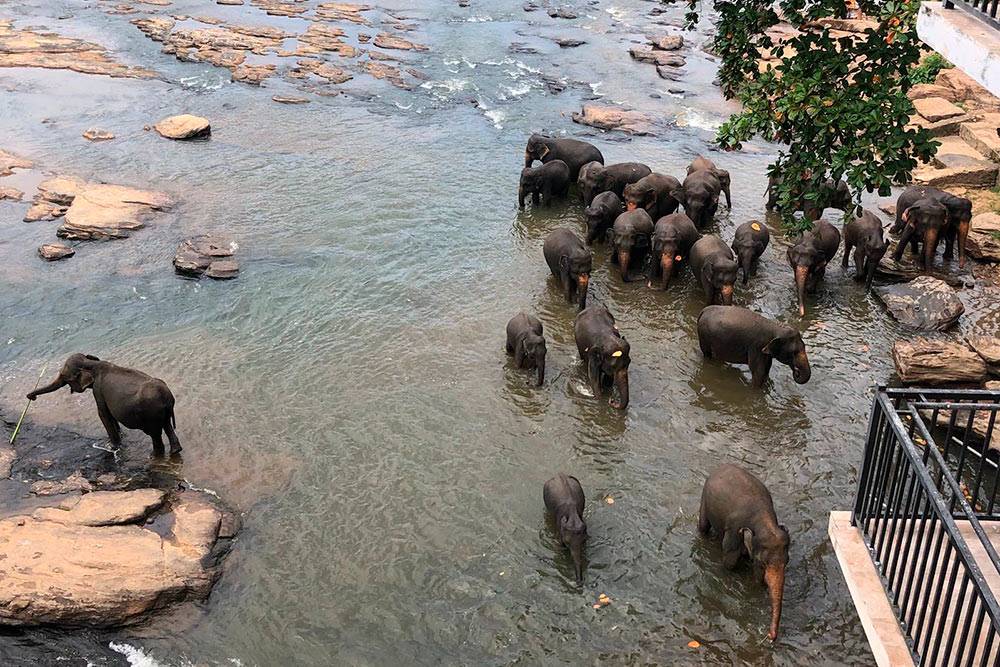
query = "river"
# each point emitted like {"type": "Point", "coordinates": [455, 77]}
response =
{"type": "Point", "coordinates": [349, 392]}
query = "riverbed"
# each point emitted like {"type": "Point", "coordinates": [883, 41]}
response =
{"type": "Point", "coordinates": [349, 392]}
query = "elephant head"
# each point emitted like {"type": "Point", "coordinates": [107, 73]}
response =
{"type": "Point", "coordinates": [769, 547]}
{"type": "Point", "coordinates": [745, 253]}
{"type": "Point", "coordinates": [573, 534]}
{"type": "Point", "coordinates": [873, 254]}
{"type": "Point", "coordinates": [537, 149]}
{"type": "Point", "coordinates": [666, 252]}
{"type": "Point", "coordinates": [789, 349]}
{"type": "Point", "coordinates": [529, 184]}
{"type": "Point", "coordinates": [575, 271]}
{"type": "Point", "coordinates": [699, 195]}
{"type": "Point", "coordinates": [719, 275]}
{"type": "Point", "coordinates": [585, 182]}
{"type": "Point", "coordinates": [534, 349]}
{"type": "Point", "coordinates": [77, 372]}
{"type": "Point", "coordinates": [840, 195]}
{"type": "Point", "coordinates": [807, 261]}
{"type": "Point", "coordinates": [926, 219]}
{"type": "Point", "coordinates": [630, 231]}
{"type": "Point", "coordinates": [611, 358]}
{"type": "Point", "coordinates": [960, 217]}
{"type": "Point", "coordinates": [640, 195]}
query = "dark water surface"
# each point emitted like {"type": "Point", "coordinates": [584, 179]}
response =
{"type": "Point", "coordinates": [350, 395]}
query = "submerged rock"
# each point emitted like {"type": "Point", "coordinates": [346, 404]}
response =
{"type": "Point", "coordinates": [207, 255]}
{"type": "Point", "coordinates": [923, 361]}
{"type": "Point", "coordinates": [384, 40]}
{"type": "Point", "coordinates": [667, 42]}
{"type": "Point", "coordinates": [614, 118]}
{"type": "Point", "coordinates": [9, 162]}
{"type": "Point", "coordinates": [95, 134]}
{"type": "Point", "coordinates": [984, 237]}
{"type": "Point", "coordinates": [89, 561]}
{"type": "Point", "coordinates": [52, 252]}
{"type": "Point", "coordinates": [75, 482]}
{"type": "Point", "coordinates": [286, 99]}
{"type": "Point", "coordinates": [184, 126]}
{"type": "Point", "coordinates": [10, 193]}
{"type": "Point", "coordinates": [252, 74]}
{"type": "Point", "coordinates": [923, 303]}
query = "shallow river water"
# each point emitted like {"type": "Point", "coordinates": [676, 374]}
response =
{"type": "Point", "coordinates": [349, 393]}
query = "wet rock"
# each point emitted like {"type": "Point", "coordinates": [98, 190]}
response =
{"type": "Point", "coordinates": [96, 134]}
{"type": "Point", "coordinates": [331, 73]}
{"type": "Point", "coordinates": [73, 483]}
{"type": "Point", "coordinates": [987, 347]}
{"type": "Point", "coordinates": [568, 42]}
{"type": "Point", "coordinates": [9, 162]}
{"type": "Point", "coordinates": [184, 126]}
{"type": "Point", "coordinates": [669, 73]}
{"type": "Point", "coordinates": [7, 456]}
{"type": "Point", "coordinates": [561, 13]}
{"type": "Point", "coordinates": [923, 303]}
{"type": "Point", "coordinates": [286, 99]}
{"type": "Point", "coordinates": [28, 48]}
{"type": "Point", "coordinates": [319, 38]}
{"type": "Point", "coordinates": [889, 208]}
{"type": "Point", "coordinates": [52, 252]}
{"type": "Point", "coordinates": [659, 58]}
{"type": "Point", "coordinates": [364, 38]}
{"type": "Point", "coordinates": [207, 255]}
{"type": "Point", "coordinates": [278, 8]}
{"type": "Point", "coordinates": [229, 2]}
{"type": "Point", "coordinates": [384, 40]}
{"type": "Point", "coordinates": [343, 11]}
{"type": "Point", "coordinates": [521, 47]}
{"type": "Point", "coordinates": [382, 71]}
{"type": "Point", "coordinates": [252, 74]}
{"type": "Point", "coordinates": [614, 118]}
{"type": "Point", "coordinates": [41, 210]}
{"type": "Point", "coordinates": [932, 362]}
{"type": "Point", "coordinates": [12, 194]}
{"type": "Point", "coordinates": [984, 237]}
{"type": "Point", "coordinates": [102, 211]}
{"type": "Point", "coordinates": [59, 568]}
{"type": "Point", "coordinates": [667, 42]}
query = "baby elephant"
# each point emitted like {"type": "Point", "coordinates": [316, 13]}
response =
{"type": "Point", "coordinates": [525, 342]}
{"type": "Point", "coordinates": [601, 215]}
{"type": "Point", "coordinates": [738, 507]}
{"type": "Point", "coordinates": [570, 261]}
{"type": "Point", "coordinates": [550, 180]}
{"type": "Point", "coordinates": [739, 336]}
{"type": "Point", "coordinates": [809, 256]}
{"type": "Point", "coordinates": [749, 244]}
{"type": "Point", "coordinates": [673, 237]}
{"type": "Point", "coordinates": [864, 234]}
{"type": "Point", "coordinates": [605, 351]}
{"type": "Point", "coordinates": [630, 237]}
{"type": "Point", "coordinates": [123, 396]}
{"type": "Point", "coordinates": [715, 269]}
{"type": "Point", "coordinates": [564, 499]}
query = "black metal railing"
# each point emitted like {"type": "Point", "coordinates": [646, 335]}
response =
{"type": "Point", "coordinates": [928, 483]}
{"type": "Point", "coordinates": [982, 9]}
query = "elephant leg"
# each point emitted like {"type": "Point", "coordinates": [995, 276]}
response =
{"type": "Point", "coordinates": [547, 195]}
{"type": "Point", "coordinates": [760, 370]}
{"type": "Point", "coordinates": [847, 251]}
{"type": "Point", "coordinates": [908, 233]}
{"type": "Point", "coordinates": [732, 549]}
{"type": "Point", "coordinates": [535, 198]}
{"type": "Point", "coordinates": [594, 375]}
{"type": "Point", "coordinates": [703, 525]}
{"type": "Point", "coordinates": [156, 434]}
{"type": "Point", "coordinates": [110, 425]}
{"type": "Point", "coordinates": [860, 261]}
{"type": "Point", "coordinates": [168, 428]}
{"type": "Point", "coordinates": [949, 244]}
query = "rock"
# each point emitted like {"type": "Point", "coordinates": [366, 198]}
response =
{"type": "Point", "coordinates": [73, 483]}
{"type": "Point", "coordinates": [285, 99]}
{"type": "Point", "coordinates": [184, 126]}
{"type": "Point", "coordinates": [966, 89]}
{"type": "Point", "coordinates": [984, 237]}
{"type": "Point", "coordinates": [101, 211]}
{"type": "Point", "coordinates": [10, 193]}
{"type": "Point", "coordinates": [59, 569]}
{"type": "Point", "coordinates": [229, 2]}
{"type": "Point", "coordinates": [27, 48]}
{"type": "Point", "coordinates": [614, 118]}
{"type": "Point", "coordinates": [7, 456]}
{"type": "Point", "coordinates": [668, 73]}
{"type": "Point", "coordinates": [44, 211]}
{"type": "Point", "coordinates": [935, 109]}
{"type": "Point", "coordinates": [278, 8]}
{"type": "Point", "coordinates": [923, 303]}
{"type": "Point", "coordinates": [95, 134]}
{"type": "Point", "coordinates": [10, 162]}
{"type": "Point", "coordinates": [927, 362]}
{"type": "Point", "coordinates": [252, 74]}
{"type": "Point", "coordinates": [53, 252]}
{"type": "Point", "coordinates": [667, 42]}
{"type": "Point", "coordinates": [659, 58]}
{"type": "Point", "coordinates": [970, 173]}
{"type": "Point", "coordinates": [987, 347]}
{"type": "Point", "coordinates": [561, 13]}
{"type": "Point", "coordinates": [60, 190]}
{"type": "Point", "coordinates": [922, 90]}
{"type": "Point", "coordinates": [889, 208]}
{"type": "Point", "coordinates": [320, 37]}
{"type": "Point", "coordinates": [569, 43]}
{"type": "Point", "coordinates": [342, 11]}
{"type": "Point", "coordinates": [207, 255]}
{"type": "Point", "coordinates": [382, 71]}
{"type": "Point", "coordinates": [384, 40]}
{"type": "Point", "coordinates": [984, 137]}
{"type": "Point", "coordinates": [941, 128]}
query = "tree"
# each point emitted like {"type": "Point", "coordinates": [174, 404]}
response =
{"type": "Point", "coordinates": [838, 103]}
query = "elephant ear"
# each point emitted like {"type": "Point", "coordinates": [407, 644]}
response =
{"type": "Point", "coordinates": [747, 535]}
{"type": "Point", "coordinates": [86, 378]}
{"type": "Point", "coordinates": [906, 213]}
{"type": "Point", "coordinates": [678, 194]}
{"type": "Point", "coordinates": [773, 347]}
{"type": "Point", "coordinates": [563, 261]}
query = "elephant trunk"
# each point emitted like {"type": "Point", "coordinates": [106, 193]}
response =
{"type": "Point", "coordinates": [871, 263]}
{"type": "Point", "coordinates": [540, 366]}
{"type": "Point", "coordinates": [58, 383]}
{"type": "Point", "coordinates": [930, 247]}
{"type": "Point", "coordinates": [581, 287]}
{"type": "Point", "coordinates": [963, 234]}
{"type": "Point", "coordinates": [520, 196]}
{"type": "Point", "coordinates": [630, 206]}
{"type": "Point", "coordinates": [800, 368]}
{"type": "Point", "coordinates": [726, 294]}
{"type": "Point", "coordinates": [774, 577]}
{"type": "Point", "coordinates": [801, 275]}
{"type": "Point", "coordinates": [624, 256]}
{"type": "Point", "coordinates": [694, 212]}
{"type": "Point", "coordinates": [621, 384]}
{"type": "Point", "coordinates": [667, 268]}
{"type": "Point", "coordinates": [576, 551]}
{"type": "Point", "coordinates": [528, 159]}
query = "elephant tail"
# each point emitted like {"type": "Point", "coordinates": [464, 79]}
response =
{"type": "Point", "coordinates": [170, 414]}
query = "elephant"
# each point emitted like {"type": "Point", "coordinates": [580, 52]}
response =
{"type": "Point", "coordinates": [833, 194]}
{"type": "Point", "coordinates": [610, 178]}
{"type": "Point", "coordinates": [601, 215]}
{"type": "Point", "coordinates": [959, 217]}
{"type": "Point", "coordinates": [551, 180]}
{"type": "Point", "coordinates": [739, 508]}
{"type": "Point", "coordinates": [702, 163]}
{"type": "Point", "coordinates": [749, 243]}
{"type": "Point", "coordinates": [564, 499]}
{"type": "Point", "coordinates": [715, 268]}
{"type": "Point", "coordinates": [924, 221]}
{"type": "Point", "coordinates": [653, 194]}
{"type": "Point", "coordinates": [123, 396]}
{"type": "Point", "coordinates": [585, 176]}
{"type": "Point", "coordinates": [864, 234]}
{"type": "Point", "coordinates": [526, 343]}
{"type": "Point", "coordinates": [739, 336]}
{"type": "Point", "coordinates": [699, 194]}
{"type": "Point", "coordinates": [809, 256]}
{"type": "Point", "coordinates": [571, 262]}
{"type": "Point", "coordinates": [673, 236]}
{"type": "Point", "coordinates": [573, 152]}
{"type": "Point", "coordinates": [605, 351]}
{"type": "Point", "coordinates": [630, 240]}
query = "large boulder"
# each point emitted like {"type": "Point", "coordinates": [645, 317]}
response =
{"type": "Point", "coordinates": [614, 118]}
{"type": "Point", "coordinates": [984, 237]}
{"type": "Point", "coordinates": [184, 127]}
{"type": "Point", "coordinates": [656, 57]}
{"type": "Point", "coordinates": [109, 558]}
{"type": "Point", "coordinates": [922, 303]}
{"type": "Point", "coordinates": [933, 362]}
{"type": "Point", "coordinates": [102, 211]}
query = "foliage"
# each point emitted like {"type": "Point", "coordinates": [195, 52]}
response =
{"type": "Point", "coordinates": [837, 102]}
{"type": "Point", "coordinates": [927, 71]}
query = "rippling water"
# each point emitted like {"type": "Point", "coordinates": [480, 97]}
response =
{"type": "Point", "coordinates": [350, 394]}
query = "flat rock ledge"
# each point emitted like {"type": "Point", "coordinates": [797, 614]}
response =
{"type": "Point", "coordinates": [923, 303]}
{"type": "Point", "coordinates": [933, 362]}
{"type": "Point", "coordinates": [615, 118]}
{"type": "Point", "coordinates": [184, 127]}
{"type": "Point", "coordinates": [984, 237]}
{"type": "Point", "coordinates": [110, 558]}
{"type": "Point", "coordinates": [210, 256]}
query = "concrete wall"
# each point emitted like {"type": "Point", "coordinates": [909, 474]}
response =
{"type": "Point", "coordinates": [972, 45]}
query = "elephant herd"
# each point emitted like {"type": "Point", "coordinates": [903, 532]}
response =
{"type": "Point", "coordinates": [638, 213]}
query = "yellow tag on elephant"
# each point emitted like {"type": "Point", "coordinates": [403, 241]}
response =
{"type": "Point", "coordinates": [755, 226]}
{"type": "Point", "coordinates": [616, 354]}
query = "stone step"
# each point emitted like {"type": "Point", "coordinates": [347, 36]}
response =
{"type": "Point", "coordinates": [941, 128]}
{"type": "Point", "coordinates": [936, 109]}
{"type": "Point", "coordinates": [973, 174]}
{"type": "Point", "coordinates": [984, 137]}
{"type": "Point", "coordinates": [955, 151]}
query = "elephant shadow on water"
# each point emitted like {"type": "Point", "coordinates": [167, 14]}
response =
{"type": "Point", "coordinates": [721, 387]}
{"type": "Point", "coordinates": [556, 557]}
